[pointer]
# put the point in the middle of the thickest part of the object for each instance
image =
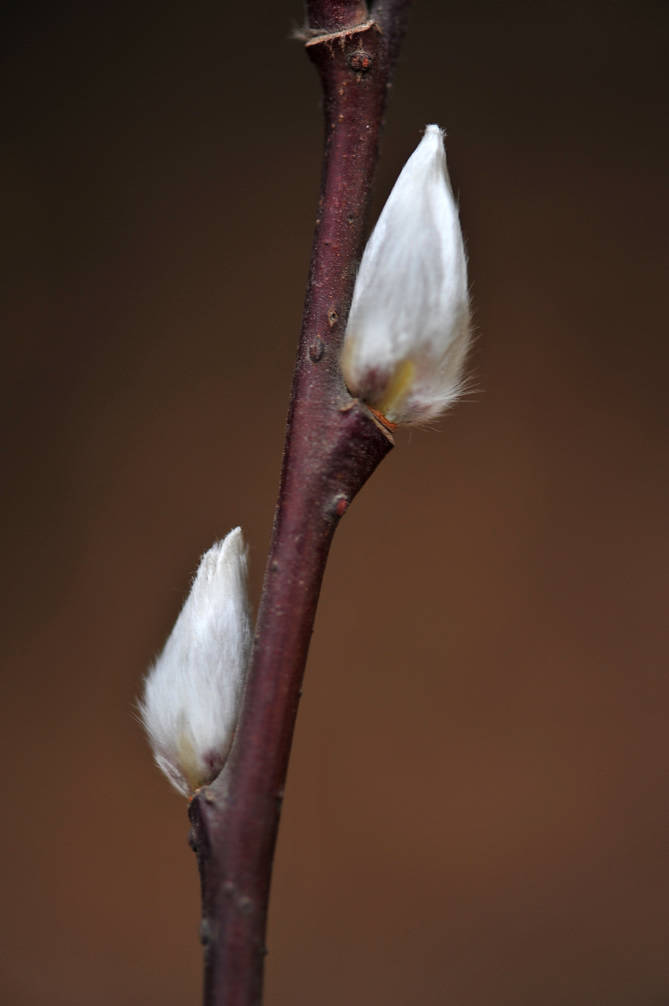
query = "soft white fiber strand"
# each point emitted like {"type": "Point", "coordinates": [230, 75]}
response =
{"type": "Point", "coordinates": [193, 691]}
{"type": "Point", "coordinates": [408, 328]}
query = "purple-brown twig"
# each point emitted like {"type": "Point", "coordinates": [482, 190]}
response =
{"type": "Point", "coordinates": [333, 444]}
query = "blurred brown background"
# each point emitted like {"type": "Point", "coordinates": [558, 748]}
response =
{"type": "Point", "coordinates": [476, 810]}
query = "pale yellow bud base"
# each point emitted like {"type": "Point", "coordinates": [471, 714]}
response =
{"type": "Point", "coordinates": [389, 405]}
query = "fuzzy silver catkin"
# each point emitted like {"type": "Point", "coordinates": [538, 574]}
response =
{"type": "Point", "coordinates": [408, 328]}
{"type": "Point", "coordinates": [192, 693]}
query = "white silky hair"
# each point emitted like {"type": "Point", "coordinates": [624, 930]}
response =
{"type": "Point", "coordinates": [192, 694]}
{"type": "Point", "coordinates": [408, 329]}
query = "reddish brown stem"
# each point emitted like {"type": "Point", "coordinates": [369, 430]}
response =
{"type": "Point", "coordinates": [333, 444]}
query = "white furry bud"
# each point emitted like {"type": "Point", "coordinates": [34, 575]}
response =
{"type": "Point", "coordinates": [192, 693]}
{"type": "Point", "coordinates": [408, 328]}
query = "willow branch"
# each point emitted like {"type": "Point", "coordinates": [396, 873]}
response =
{"type": "Point", "coordinates": [333, 444]}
